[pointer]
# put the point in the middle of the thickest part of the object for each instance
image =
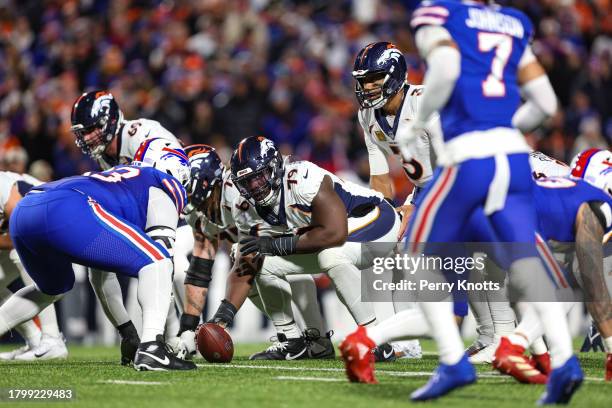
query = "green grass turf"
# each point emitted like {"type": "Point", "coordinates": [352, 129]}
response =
{"type": "Point", "coordinates": [295, 384]}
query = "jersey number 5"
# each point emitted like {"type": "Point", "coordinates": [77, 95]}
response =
{"type": "Point", "coordinates": [494, 85]}
{"type": "Point", "coordinates": [114, 176]}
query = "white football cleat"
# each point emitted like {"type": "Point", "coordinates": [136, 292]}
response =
{"type": "Point", "coordinates": [10, 355]}
{"type": "Point", "coordinates": [49, 348]}
{"type": "Point", "coordinates": [407, 349]}
{"type": "Point", "coordinates": [485, 355]}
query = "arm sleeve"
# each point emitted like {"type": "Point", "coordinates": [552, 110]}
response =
{"type": "Point", "coordinates": [376, 157]}
{"type": "Point", "coordinates": [162, 219]}
{"type": "Point", "coordinates": [443, 69]}
{"type": "Point", "coordinates": [540, 103]}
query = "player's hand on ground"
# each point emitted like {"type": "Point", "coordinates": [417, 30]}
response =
{"type": "Point", "coordinates": [184, 345]}
{"type": "Point", "coordinates": [406, 212]}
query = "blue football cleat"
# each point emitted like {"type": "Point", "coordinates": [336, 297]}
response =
{"type": "Point", "coordinates": [445, 379]}
{"type": "Point", "coordinates": [563, 383]}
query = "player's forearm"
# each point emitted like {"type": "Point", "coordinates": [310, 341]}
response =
{"type": "Point", "coordinates": [320, 238]}
{"type": "Point", "coordinates": [383, 184]}
{"type": "Point", "coordinates": [443, 69]}
{"type": "Point", "coordinates": [195, 298]}
{"type": "Point", "coordinates": [540, 104]}
{"type": "Point", "coordinates": [589, 252]}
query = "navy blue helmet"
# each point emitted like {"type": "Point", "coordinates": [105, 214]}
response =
{"type": "Point", "coordinates": [95, 120]}
{"type": "Point", "coordinates": [257, 170]}
{"type": "Point", "coordinates": [206, 173]}
{"type": "Point", "coordinates": [375, 62]}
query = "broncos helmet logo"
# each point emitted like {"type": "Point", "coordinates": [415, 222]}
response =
{"type": "Point", "coordinates": [101, 105]}
{"type": "Point", "coordinates": [389, 53]}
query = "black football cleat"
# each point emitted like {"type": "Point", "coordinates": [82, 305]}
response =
{"type": "Point", "coordinates": [284, 349]}
{"type": "Point", "coordinates": [592, 341]}
{"type": "Point", "coordinates": [384, 353]}
{"type": "Point", "coordinates": [319, 347]}
{"type": "Point", "coordinates": [157, 356]}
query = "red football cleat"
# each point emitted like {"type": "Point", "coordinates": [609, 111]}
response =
{"type": "Point", "coordinates": [509, 359]}
{"type": "Point", "coordinates": [609, 367]}
{"type": "Point", "coordinates": [356, 350]}
{"type": "Point", "coordinates": [541, 362]}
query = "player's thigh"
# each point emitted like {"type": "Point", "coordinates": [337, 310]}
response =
{"type": "Point", "coordinates": [290, 265]}
{"type": "Point", "coordinates": [96, 238]}
{"type": "Point", "coordinates": [445, 206]}
{"type": "Point", "coordinates": [50, 270]}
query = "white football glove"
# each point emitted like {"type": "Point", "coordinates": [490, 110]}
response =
{"type": "Point", "coordinates": [184, 346]}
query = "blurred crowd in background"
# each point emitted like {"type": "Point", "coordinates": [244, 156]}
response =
{"type": "Point", "coordinates": [215, 71]}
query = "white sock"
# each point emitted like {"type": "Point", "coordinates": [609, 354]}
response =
{"type": "Point", "coordinates": [554, 321]}
{"type": "Point", "coordinates": [401, 326]}
{"type": "Point", "coordinates": [181, 264]}
{"type": "Point", "coordinates": [304, 293]}
{"type": "Point", "coordinates": [444, 330]}
{"type": "Point", "coordinates": [23, 306]}
{"type": "Point", "coordinates": [48, 318]}
{"type": "Point", "coordinates": [28, 329]}
{"type": "Point", "coordinates": [30, 332]}
{"type": "Point", "coordinates": [48, 322]}
{"type": "Point", "coordinates": [347, 282]}
{"type": "Point", "coordinates": [538, 347]}
{"type": "Point", "coordinates": [608, 344]}
{"type": "Point", "coordinates": [273, 298]}
{"type": "Point", "coordinates": [529, 278]}
{"type": "Point", "coordinates": [154, 296]}
{"type": "Point", "coordinates": [108, 291]}
{"type": "Point", "coordinates": [172, 321]}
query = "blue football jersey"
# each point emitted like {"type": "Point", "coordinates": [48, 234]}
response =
{"type": "Point", "coordinates": [123, 190]}
{"type": "Point", "coordinates": [491, 40]}
{"type": "Point", "coordinates": [557, 201]}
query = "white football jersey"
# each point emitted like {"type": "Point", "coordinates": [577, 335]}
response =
{"type": "Point", "coordinates": [131, 134]}
{"type": "Point", "coordinates": [300, 184]}
{"type": "Point", "coordinates": [7, 180]}
{"type": "Point", "coordinates": [226, 226]}
{"type": "Point", "coordinates": [545, 166]}
{"type": "Point", "coordinates": [380, 139]}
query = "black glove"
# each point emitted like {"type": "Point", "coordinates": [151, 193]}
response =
{"type": "Point", "coordinates": [280, 246]}
{"type": "Point", "coordinates": [224, 316]}
{"type": "Point", "coordinates": [129, 342]}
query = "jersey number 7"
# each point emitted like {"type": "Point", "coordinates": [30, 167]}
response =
{"type": "Point", "coordinates": [493, 86]}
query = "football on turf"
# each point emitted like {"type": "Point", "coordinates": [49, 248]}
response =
{"type": "Point", "coordinates": [214, 343]}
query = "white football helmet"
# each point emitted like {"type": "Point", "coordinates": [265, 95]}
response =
{"type": "Point", "coordinates": [595, 167]}
{"type": "Point", "coordinates": [165, 156]}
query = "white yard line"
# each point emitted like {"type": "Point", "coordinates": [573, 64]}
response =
{"type": "Point", "coordinates": [391, 373]}
{"type": "Point", "coordinates": [127, 382]}
{"type": "Point", "coordinates": [289, 378]}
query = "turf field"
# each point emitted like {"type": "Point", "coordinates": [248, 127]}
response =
{"type": "Point", "coordinates": [99, 381]}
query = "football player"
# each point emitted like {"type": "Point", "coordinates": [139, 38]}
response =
{"type": "Point", "coordinates": [211, 195]}
{"type": "Point", "coordinates": [479, 61]}
{"type": "Point", "coordinates": [47, 342]}
{"type": "Point", "coordinates": [103, 134]}
{"type": "Point", "coordinates": [99, 220]}
{"type": "Point", "coordinates": [494, 317]}
{"type": "Point", "coordinates": [308, 221]}
{"type": "Point", "coordinates": [570, 211]}
{"type": "Point", "coordinates": [387, 100]}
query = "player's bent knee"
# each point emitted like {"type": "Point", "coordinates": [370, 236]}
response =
{"type": "Point", "coordinates": [331, 258]}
